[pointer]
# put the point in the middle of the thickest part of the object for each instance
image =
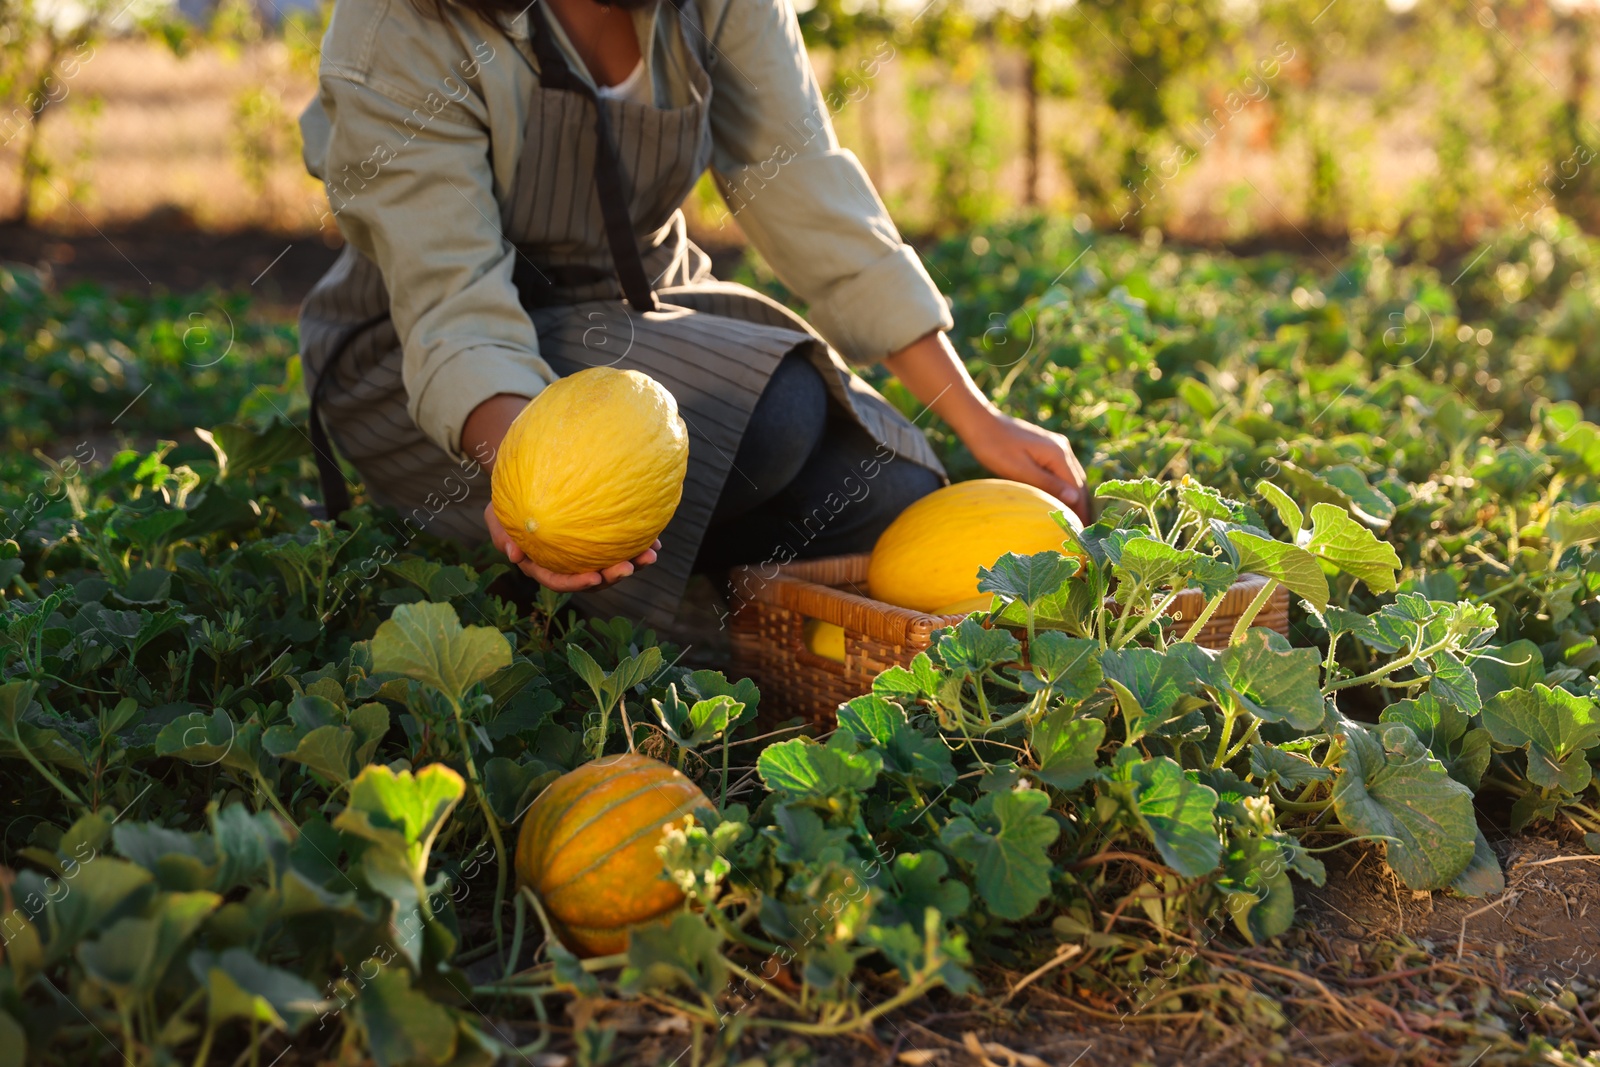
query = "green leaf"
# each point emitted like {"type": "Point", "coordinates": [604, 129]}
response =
{"type": "Point", "coordinates": [1005, 838]}
{"type": "Point", "coordinates": [510, 786]}
{"type": "Point", "coordinates": [1390, 786]}
{"type": "Point", "coordinates": [1143, 492]}
{"type": "Point", "coordinates": [804, 839]}
{"type": "Point", "coordinates": [181, 862]}
{"type": "Point", "coordinates": [246, 843]}
{"type": "Point", "coordinates": [1256, 888]}
{"type": "Point", "coordinates": [426, 642]}
{"type": "Point", "coordinates": [15, 699]}
{"type": "Point", "coordinates": [1206, 502]}
{"type": "Point", "coordinates": [1572, 524]}
{"type": "Point", "coordinates": [802, 768]}
{"type": "Point", "coordinates": [1273, 685]}
{"type": "Point", "coordinates": [921, 883]}
{"type": "Point", "coordinates": [683, 952]}
{"type": "Point", "coordinates": [1177, 813]}
{"type": "Point", "coordinates": [706, 684]}
{"type": "Point", "coordinates": [690, 726]}
{"type": "Point", "coordinates": [1294, 567]}
{"type": "Point", "coordinates": [1201, 400]}
{"type": "Point", "coordinates": [907, 752]}
{"type": "Point", "coordinates": [1153, 563]}
{"type": "Point", "coordinates": [970, 649]}
{"type": "Point", "coordinates": [132, 954]}
{"type": "Point", "coordinates": [1027, 579]}
{"type": "Point", "coordinates": [1309, 487]}
{"type": "Point", "coordinates": [211, 741]}
{"type": "Point", "coordinates": [1295, 771]}
{"type": "Point", "coordinates": [1518, 665]}
{"type": "Point", "coordinates": [1069, 666]}
{"type": "Point", "coordinates": [404, 1028]}
{"type": "Point", "coordinates": [98, 889]}
{"type": "Point", "coordinates": [401, 812]}
{"type": "Point", "coordinates": [1482, 876]}
{"type": "Point", "coordinates": [1512, 472]}
{"type": "Point", "coordinates": [1453, 682]}
{"type": "Point", "coordinates": [586, 668]}
{"type": "Point", "coordinates": [1160, 685]}
{"type": "Point", "coordinates": [1287, 509]}
{"type": "Point", "coordinates": [1366, 501]}
{"type": "Point", "coordinates": [631, 672]}
{"type": "Point", "coordinates": [710, 719]}
{"type": "Point", "coordinates": [1066, 748]}
{"type": "Point", "coordinates": [239, 986]}
{"type": "Point", "coordinates": [1351, 547]}
{"type": "Point", "coordinates": [1556, 728]}
{"type": "Point", "coordinates": [1212, 575]}
{"type": "Point", "coordinates": [910, 685]}
{"type": "Point", "coordinates": [1447, 733]}
{"type": "Point", "coordinates": [241, 449]}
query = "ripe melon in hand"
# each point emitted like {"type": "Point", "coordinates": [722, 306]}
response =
{"type": "Point", "coordinates": [588, 849]}
{"type": "Point", "coordinates": [928, 558]}
{"type": "Point", "coordinates": [591, 471]}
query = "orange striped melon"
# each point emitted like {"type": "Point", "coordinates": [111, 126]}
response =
{"type": "Point", "coordinates": [588, 849]}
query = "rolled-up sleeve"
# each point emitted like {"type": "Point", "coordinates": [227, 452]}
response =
{"type": "Point", "coordinates": [411, 185]}
{"type": "Point", "coordinates": [805, 203]}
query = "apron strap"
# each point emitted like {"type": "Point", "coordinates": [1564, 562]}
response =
{"type": "Point", "coordinates": [335, 492]}
{"type": "Point", "coordinates": [554, 73]}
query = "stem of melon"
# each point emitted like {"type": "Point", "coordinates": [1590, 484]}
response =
{"type": "Point", "coordinates": [722, 798]}
{"type": "Point", "coordinates": [489, 818]}
{"type": "Point", "coordinates": [1204, 617]}
{"type": "Point", "coordinates": [1242, 627]}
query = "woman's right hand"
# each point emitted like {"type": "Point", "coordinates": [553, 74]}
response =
{"type": "Point", "coordinates": [562, 583]}
{"type": "Point", "coordinates": [485, 427]}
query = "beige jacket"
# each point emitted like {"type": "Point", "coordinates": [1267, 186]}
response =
{"type": "Point", "coordinates": [417, 131]}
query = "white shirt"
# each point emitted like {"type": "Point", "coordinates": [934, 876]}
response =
{"type": "Point", "coordinates": [635, 87]}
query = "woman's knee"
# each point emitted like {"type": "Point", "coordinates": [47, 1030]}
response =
{"type": "Point", "coordinates": [785, 427]}
{"type": "Point", "coordinates": [899, 484]}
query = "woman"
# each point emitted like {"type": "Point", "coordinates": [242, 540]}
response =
{"type": "Point", "coordinates": [508, 180]}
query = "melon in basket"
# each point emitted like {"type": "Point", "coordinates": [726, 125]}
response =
{"type": "Point", "coordinates": [928, 559]}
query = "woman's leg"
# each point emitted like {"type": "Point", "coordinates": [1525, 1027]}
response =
{"type": "Point", "coordinates": [844, 496]}
{"type": "Point", "coordinates": [785, 428]}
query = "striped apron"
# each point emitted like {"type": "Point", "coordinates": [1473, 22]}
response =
{"type": "Point", "coordinates": [595, 299]}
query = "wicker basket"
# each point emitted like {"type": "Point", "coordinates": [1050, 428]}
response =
{"type": "Point", "coordinates": [772, 603]}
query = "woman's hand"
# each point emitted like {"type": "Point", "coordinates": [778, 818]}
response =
{"type": "Point", "coordinates": [562, 583]}
{"type": "Point", "coordinates": [1010, 448]}
{"type": "Point", "coordinates": [1023, 452]}
{"type": "Point", "coordinates": [480, 438]}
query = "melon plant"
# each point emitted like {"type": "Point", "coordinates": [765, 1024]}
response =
{"type": "Point", "coordinates": [256, 762]}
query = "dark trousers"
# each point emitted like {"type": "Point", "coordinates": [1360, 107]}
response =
{"type": "Point", "coordinates": [807, 480]}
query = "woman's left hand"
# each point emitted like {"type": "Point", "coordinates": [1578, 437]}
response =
{"type": "Point", "coordinates": [930, 369]}
{"type": "Point", "coordinates": [1023, 452]}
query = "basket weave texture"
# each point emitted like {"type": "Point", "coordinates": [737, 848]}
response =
{"type": "Point", "coordinates": [772, 602]}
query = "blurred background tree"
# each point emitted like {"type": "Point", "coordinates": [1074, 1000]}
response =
{"type": "Point", "coordinates": [1213, 120]}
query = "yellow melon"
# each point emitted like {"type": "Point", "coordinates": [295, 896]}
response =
{"type": "Point", "coordinates": [928, 559]}
{"type": "Point", "coordinates": [825, 639]}
{"type": "Point", "coordinates": [591, 471]}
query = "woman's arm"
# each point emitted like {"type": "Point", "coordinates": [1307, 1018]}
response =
{"type": "Point", "coordinates": [485, 428]}
{"type": "Point", "coordinates": [805, 203]}
{"type": "Point", "coordinates": [932, 372]}
{"type": "Point", "coordinates": [809, 208]}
